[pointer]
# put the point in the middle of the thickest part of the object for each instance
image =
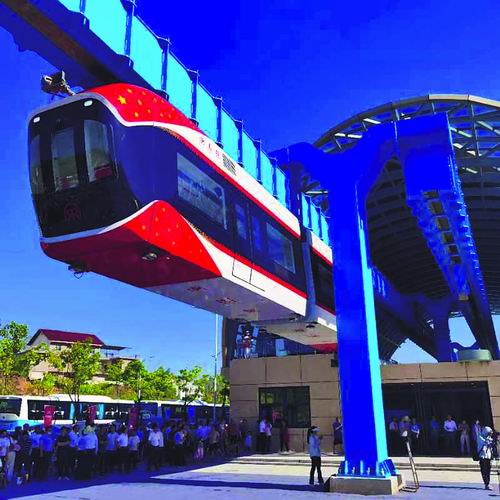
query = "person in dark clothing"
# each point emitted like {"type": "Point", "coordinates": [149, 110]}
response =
{"type": "Point", "coordinates": [63, 454]}
{"type": "Point", "coordinates": [102, 439]}
{"type": "Point", "coordinates": [46, 451]}
{"type": "Point", "coordinates": [23, 456]}
{"type": "Point", "coordinates": [284, 436]}
{"type": "Point", "coordinates": [337, 434]}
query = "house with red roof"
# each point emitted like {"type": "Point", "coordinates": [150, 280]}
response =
{"type": "Point", "coordinates": [59, 339]}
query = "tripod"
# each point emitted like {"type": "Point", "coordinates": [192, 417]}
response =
{"type": "Point", "coordinates": [416, 484]}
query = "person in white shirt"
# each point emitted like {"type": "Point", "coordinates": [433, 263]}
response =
{"type": "Point", "coordinates": [111, 449]}
{"type": "Point", "coordinates": [122, 449]}
{"type": "Point", "coordinates": [450, 432]}
{"type": "Point", "coordinates": [133, 450]}
{"type": "Point", "coordinates": [5, 443]}
{"type": "Point", "coordinates": [261, 438]}
{"type": "Point", "coordinates": [155, 440]}
{"type": "Point", "coordinates": [74, 437]}
{"type": "Point", "coordinates": [87, 449]}
{"type": "Point", "coordinates": [269, 433]}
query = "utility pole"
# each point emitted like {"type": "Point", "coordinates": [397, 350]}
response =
{"type": "Point", "coordinates": [214, 413]}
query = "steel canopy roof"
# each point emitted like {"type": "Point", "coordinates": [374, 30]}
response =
{"type": "Point", "coordinates": [398, 248]}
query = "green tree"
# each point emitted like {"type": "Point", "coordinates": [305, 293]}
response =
{"type": "Point", "coordinates": [135, 377]}
{"type": "Point", "coordinates": [16, 358]}
{"type": "Point", "coordinates": [77, 364]}
{"type": "Point", "coordinates": [114, 376]}
{"type": "Point", "coordinates": [45, 385]}
{"type": "Point", "coordinates": [160, 384]}
{"type": "Point", "coordinates": [190, 385]}
{"type": "Point", "coordinates": [207, 387]}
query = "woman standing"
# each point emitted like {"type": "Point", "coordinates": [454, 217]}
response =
{"type": "Point", "coordinates": [314, 442]}
{"type": "Point", "coordinates": [284, 436]}
{"type": "Point", "coordinates": [485, 452]}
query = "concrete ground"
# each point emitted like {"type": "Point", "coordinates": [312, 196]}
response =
{"type": "Point", "coordinates": [240, 479]}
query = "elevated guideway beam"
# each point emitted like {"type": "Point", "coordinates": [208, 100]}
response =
{"type": "Point", "coordinates": [435, 197]}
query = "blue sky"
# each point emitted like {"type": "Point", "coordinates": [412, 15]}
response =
{"type": "Point", "coordinates": [290, 72]}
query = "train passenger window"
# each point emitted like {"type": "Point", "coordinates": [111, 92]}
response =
{"type": "Point", "coordinates": [323, 281]}
{"type": "Point", "coordinates": [280, 248]}
{"type": "Point", "coordinates": [201, 191]}
{"type": "Point", "coordinates": [97, 150]}
{"type": "Point", "coordinates": [258, 237]}
{"type": "Point", "coordinates": [64, 159]}
{"type": "Point", "coordinates": [241, 221]}
{"type": "Point", "coordinates": [35, 166]}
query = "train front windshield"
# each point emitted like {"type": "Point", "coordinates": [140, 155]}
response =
{"type": "Point", "coordinates": [75, 178]}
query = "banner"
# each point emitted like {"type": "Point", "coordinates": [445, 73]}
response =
{"type": "Point", "coordinates": [133, 417]}
{"type": "Point", "coordinates": [91, 414]}
{"type": "Point", "coordinates": [48, 415]}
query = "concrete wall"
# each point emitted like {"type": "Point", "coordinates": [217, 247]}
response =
{"type": "Point", "coordinates": [248, 375]}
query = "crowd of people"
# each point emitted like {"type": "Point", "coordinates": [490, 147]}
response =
{"type": "Point", "coordinates": [87, 451]}
{"type": "Point", "coordinates": [444, 438]}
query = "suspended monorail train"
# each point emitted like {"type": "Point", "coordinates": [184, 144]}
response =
{"type": "Point", "coordinates": [126, 186]}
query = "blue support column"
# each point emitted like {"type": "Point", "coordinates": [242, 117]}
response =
{"type": "Point", "coordinates": [348, 179]}
{"type": "Point", "coordinates": [443, 338]}
{"type": "Point", "coordinates": [439, 311]}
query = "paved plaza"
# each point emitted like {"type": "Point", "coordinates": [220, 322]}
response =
{"type": "Point", "coordinates": [252, 478]}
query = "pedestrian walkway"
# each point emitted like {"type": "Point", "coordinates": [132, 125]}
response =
{"type": "Point", "coordinates": [422, 463]}
{"type": "Point", "coordinates": [233, 480]}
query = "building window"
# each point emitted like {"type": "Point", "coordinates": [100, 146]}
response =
{"type": "Point", "coordinates": [286, 403]}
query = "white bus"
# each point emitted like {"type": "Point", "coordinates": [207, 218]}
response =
{"type": "Point", "coordinates": [19, 410]}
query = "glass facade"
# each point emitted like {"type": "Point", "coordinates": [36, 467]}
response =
{"type": "Point", "coordinates": [259, 343]}
{"type": "Point", "coordinates": [291, 404]}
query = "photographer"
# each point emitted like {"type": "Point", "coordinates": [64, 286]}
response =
{"type": "Point", "coordinates": [486, 450]}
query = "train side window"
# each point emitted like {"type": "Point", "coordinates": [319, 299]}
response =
{"type": "Point", "coordinates": [257, 234]}
{"type": "Point", "coordinates": [241, 221]}
{"type": "Point", "coordinates": [36, 179]}
{"type": "Point", "coordinates": [97, 150]}
{"type": "Point", "coordinates": [201, 191]}
{"type": "Point", "coordinates": [280, 248]}
{"type": "Point", "coordinates": [64, 159]}
{"type": "Point", "coordinates": [323, 281]}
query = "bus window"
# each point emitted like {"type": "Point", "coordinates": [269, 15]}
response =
{"type": "Point", "coordinates": [64, 159]}
{"type": "Point", "coordinates": [257, 235]}
{"type": "Point", "coordinates": [280, 248]}
{"type": "Point", "coordinates": [10, 405]}
{"type": "Point", "coordinates": [97, 150]}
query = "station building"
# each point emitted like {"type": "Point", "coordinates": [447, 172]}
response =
{"type": "Point", "coordinates": [303, 388]}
